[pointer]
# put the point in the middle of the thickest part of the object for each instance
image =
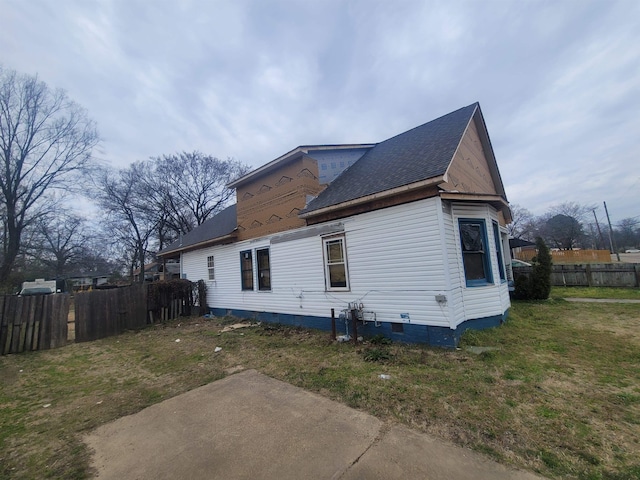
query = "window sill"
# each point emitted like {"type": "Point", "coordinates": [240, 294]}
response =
{"type": "Point", "coordinates": [479, 283]}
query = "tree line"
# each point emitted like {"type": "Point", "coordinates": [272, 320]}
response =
{"type": "Point", "coordinates": [47, 164]}
{"type": "Point", "coordinates": [571, 225]}
{"type": "Point", "coordinates": [46, 168]}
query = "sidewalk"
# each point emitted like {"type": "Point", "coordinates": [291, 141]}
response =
{"type": "Point", "coordinates": [250, 426]}
{"type": "Point", "coordinates": [601, 300]}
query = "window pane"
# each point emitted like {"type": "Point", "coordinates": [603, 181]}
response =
{"type": "Point", "coordinates": [263, 259]}
{"type": "Point", "coordinates": [264, 272]}
{"type": "Point", "coordinates": [471, 234]}
{"type": "Point", "coordinates": [246, 268]}
{"type": "Point", "coordinates": [210, 267]}
{"type": "Point", "coordinates": [247, 280]}
{"type": "Point", "coordinates": [334, 251]}
{"type": "Point", "coordinates": [498, 240]}
{"type": "Point", "coordinates": [264, 280]}
{"type": "Point", "coordinates": [475, 255]}
{"type": "Point", "coordinates": [337, 275]}
{"type": "Point", "coordinates": [474, 266]}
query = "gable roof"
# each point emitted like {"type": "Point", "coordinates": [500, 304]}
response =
{"type": "Point", "coordinates": [293, 154]}
{"type": "Point", "coordinates": [422, 153]}
{"type": "Point", "coordinates": [213, 230]}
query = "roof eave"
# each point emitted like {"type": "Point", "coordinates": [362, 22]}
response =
{"type": "Point", "coordinates": [375, 196]}
{"type": "Point", "coordinates": [499, 202]}
{"type": "Point", "coordinates": [205, 243]}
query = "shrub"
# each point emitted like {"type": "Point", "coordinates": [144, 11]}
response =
{"type": "Point", "coordinates": [521, 288]}
{"type": "Point", "coordinates": [540, 282]}
{"type": "Point", "coordinates": [376, 354]}
{"type": "Point", "coordinates": [380, 339]}
{"type": "Point", "coordinates": [537, 285]}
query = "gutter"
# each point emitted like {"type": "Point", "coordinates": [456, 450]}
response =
{"type": "Point", "coordinates": [375, 196]}
{"type": "Point", "coordinates": [204, 243]}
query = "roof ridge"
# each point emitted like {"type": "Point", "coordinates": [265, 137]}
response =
{"type": "Point", "coordinates": [415, 155]}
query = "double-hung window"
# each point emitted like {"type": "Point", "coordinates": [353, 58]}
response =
{"type": "Point", "coordinates": [264, 269]}
{"type": "Point", "coordinates": [246, 269]}
{"type": "Point", "coordinates": [335, 264]}
{"type": "Point", "coordinates": [211, 271]}
{"type": "Point", "coordinates": [475, 252]}
{"type": "Point", "coordinates": [498, 240]}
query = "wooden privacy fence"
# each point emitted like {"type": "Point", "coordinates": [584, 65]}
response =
{"type": "Point", "coordinates": [37, 322]}
{"type": "Point", "coordinates": [172, 299]}
{"type": "Point", "coordinates": [569, 256]}
{"type": "Point", "coordinates": [103, 313]}
{"type": "Point", "coordinates": [591, 275]}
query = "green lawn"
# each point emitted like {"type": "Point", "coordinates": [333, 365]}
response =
{"type": "Point", "coordinates": [596, 292]}
{"type": "Point", "coordinates": [559, 395]}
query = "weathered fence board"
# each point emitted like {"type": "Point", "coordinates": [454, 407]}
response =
{"type": "Point", "coordinates": [103, 313]}
{"type": "Point", "coordinates": [591, 275]}
{"type": "Point", "coordinates": [37, 322]}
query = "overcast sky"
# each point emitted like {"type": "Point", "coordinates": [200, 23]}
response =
{"type": "Point", "coordinates": [558, 81]}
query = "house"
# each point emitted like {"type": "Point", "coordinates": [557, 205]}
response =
{"type": "Point", "coordinates": [155, 271]}
{"type": "Point", "coordinates": [80, 281]}
{"type": "Point", "coordinates": [409, 232]}
{"type": "Point", "coordinates": [519, 245]}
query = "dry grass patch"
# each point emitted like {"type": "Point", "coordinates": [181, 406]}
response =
{"type": "Point", "coordinates": [559, 395]}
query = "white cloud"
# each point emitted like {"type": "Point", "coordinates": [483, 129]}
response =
{"type": "Point", "coordinates": [558, 81]}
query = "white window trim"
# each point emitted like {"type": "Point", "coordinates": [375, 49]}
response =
{"type": "Point", "coordinates": [211, 275]}
{"type": "Point", "coordinates": [327, 278]}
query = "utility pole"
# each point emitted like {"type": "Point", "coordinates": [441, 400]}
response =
{"type": "Point", "coordinates": [598, 226]}
{"type": "Point", "coordinates": [611, 242]}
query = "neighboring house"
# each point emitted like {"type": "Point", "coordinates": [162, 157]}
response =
{"type": "Point", "coordinates": [518, 245]}
{"type": "Point", "coordinates": [156, 271]}
{"type": "Point", "coordinates": [410, 232]}
{"type": "Point", "coordinates": [86, 280]}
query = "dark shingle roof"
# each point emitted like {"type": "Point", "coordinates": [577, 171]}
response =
{"type": "Point", "coordinates": [419, 154]}
{"type": "Point", "coordinates": [220, 225]}
{"type": "Point", "coordinates": [519, 242]}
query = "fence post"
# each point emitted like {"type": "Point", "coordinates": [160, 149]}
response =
{"type": "Point", "coordinates": [4, 330]}
{"type": "Point", "coordinates": [636, 269]}
{"type": "Point", "coordinates": [588, 271]}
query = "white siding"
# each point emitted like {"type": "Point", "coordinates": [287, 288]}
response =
{"type": "Point", "coordinates": [394, 259]}
{"type": "Point", "coordinates": [479, 301]}
{"type": "Point", "coordinates": [397, 265]}
{"type": "Point", "coordinates": [453, 257]}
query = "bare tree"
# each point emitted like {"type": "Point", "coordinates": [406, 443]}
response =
{"type": "Point", "coordinates": [46, 139]}
{"type": "Point", "coordinates": [128, 217]}
{"type": "Point", "coordinates": [186, 189]}
{"type": "Point", "coordinates": [523, 224]}
{"type": "Point", "coordinates": [563, 232]}
{"type": "Point", "coordinates": [62, 241]}
{"type": "Point", "coordinates": [572, 209]}
{"type": "Point", "coordinates": [628, 233]}
{"type": "Point", "coordinates": [563, 225]}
